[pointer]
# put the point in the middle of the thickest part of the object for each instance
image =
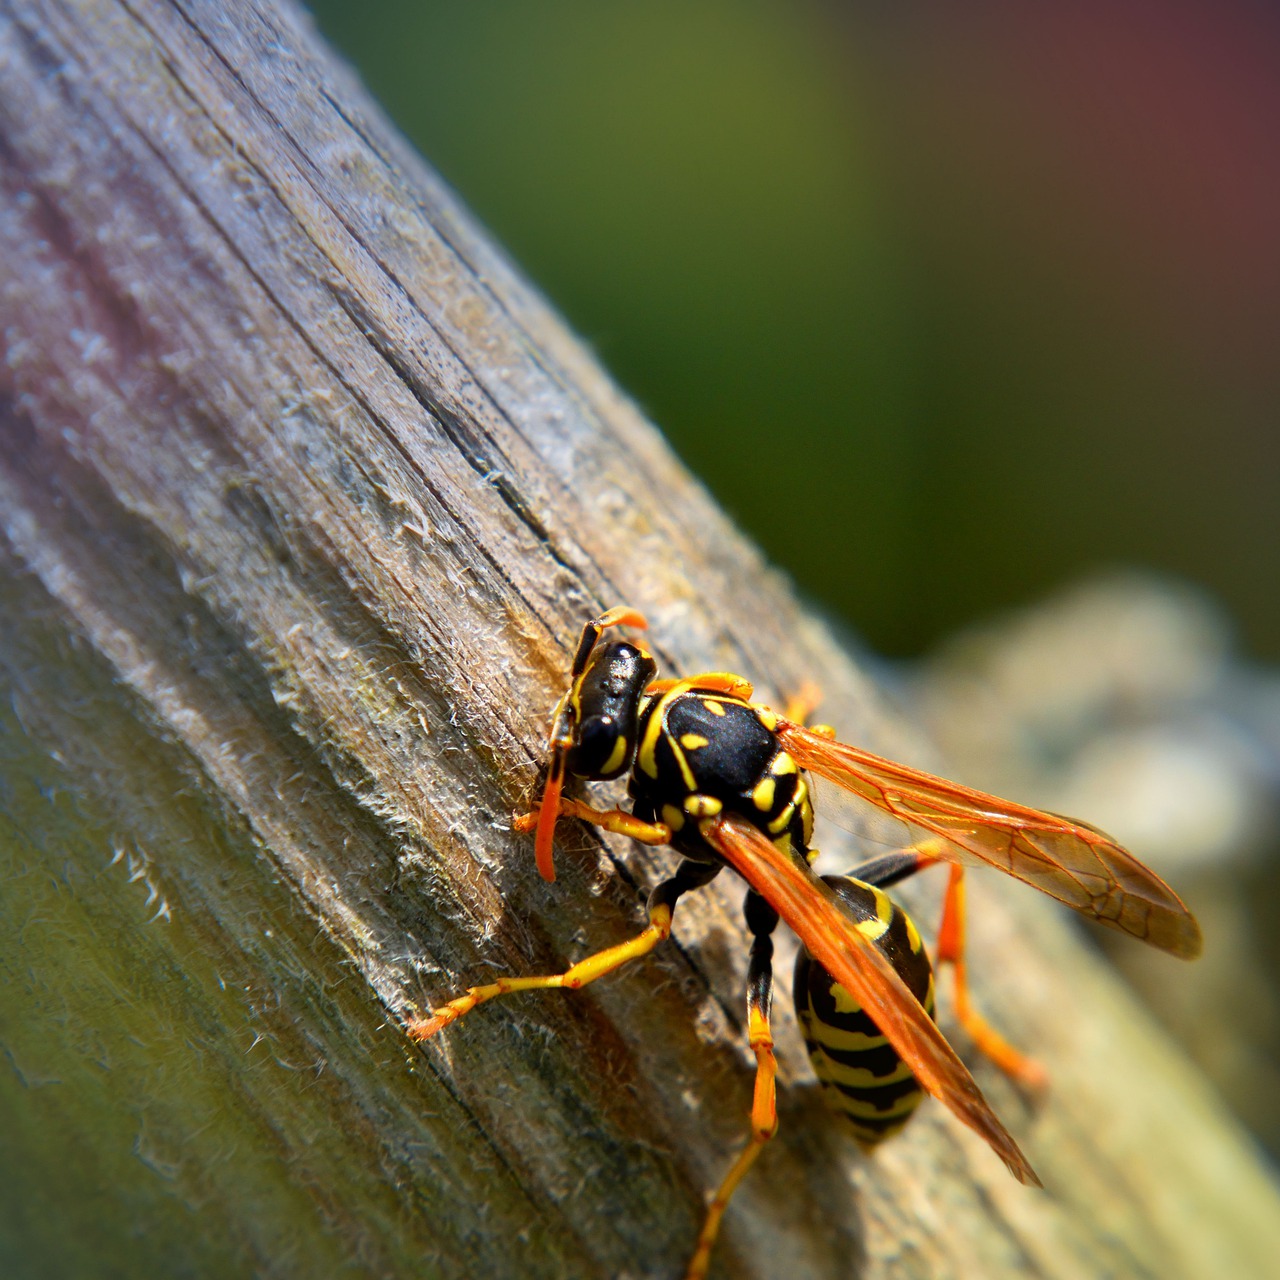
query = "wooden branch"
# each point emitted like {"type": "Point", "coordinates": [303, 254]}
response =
{"type": "Point", "coordinates": [304, 497]}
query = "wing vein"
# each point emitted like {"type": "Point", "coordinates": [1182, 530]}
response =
{"type": "Point", "coordinates": [815, 914]}
{"type": "Point", "coordinates": [1070, 861]}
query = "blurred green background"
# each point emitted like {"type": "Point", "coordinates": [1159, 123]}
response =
{"type": "Point", "coordinates": [946, 305]}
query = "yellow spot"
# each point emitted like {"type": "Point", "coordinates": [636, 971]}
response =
{"type": "Point", "coordinates": [884, 906]}
{"type": "Point", "coordinates": [782, 765]}
{"type": "Point", "coordinates": [617, 756]}
{"type": "Point", "coordinates": [913, 935]}
{"type": "Point", "coordinates": [713, 706]}
{"type": "Point", "coordinates": [872, 930]}
{"type": "Point", "coordinates": [656, 728]}
{"type": "Point", "coordinates": [692, 741]}
{"type": "Point", "coordinates": [766, 717]}
{"type": "Point", "coordinates": [782, 821]}
{"type": "Point", "coordinates": [843, 1001]}
{"type": "Point", "coordinates": [763, 795]}
{"type": "Point", "coordinates": [698, 806]}
{"type": "Point", "coordinates": [672, 817]}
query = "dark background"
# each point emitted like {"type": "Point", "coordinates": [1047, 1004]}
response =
{"type": "Point", "coordinates": [947, 305]}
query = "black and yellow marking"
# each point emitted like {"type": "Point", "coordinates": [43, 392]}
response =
{"type": "Point", "coordinates": [701, 761]}
{"type": "Point", "coordinates": [862, 1075]}
{"type": "Point", "coordinates": [602, 706]}
{"type": "Point", "coordinates": [699, 748]}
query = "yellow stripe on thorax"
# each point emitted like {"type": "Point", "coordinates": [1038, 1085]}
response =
{"type": "Point", "coordinates": [647, 757]}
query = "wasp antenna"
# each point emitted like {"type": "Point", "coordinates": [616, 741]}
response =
{"type": "Point", "coordinates": [548, 812]}
{"type": "Point", "coordinates": [622, 616]}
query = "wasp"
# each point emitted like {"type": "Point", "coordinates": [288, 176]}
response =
{"type": "Point", "coordinates": [724, 781]}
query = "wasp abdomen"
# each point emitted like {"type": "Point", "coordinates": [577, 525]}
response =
{"type": "Point", "coordinates": [861, 1073]}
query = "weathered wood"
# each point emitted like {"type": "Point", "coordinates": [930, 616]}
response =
{"type": "Point", "coordinates": [304, 496]}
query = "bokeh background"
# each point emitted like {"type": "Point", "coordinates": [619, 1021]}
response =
{"type": "Point", "coordinates": [956, 309]}
{"type": "Point", "coordinates": [946, 304]}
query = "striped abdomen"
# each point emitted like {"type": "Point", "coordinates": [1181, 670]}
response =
{"type": "Point", "coordinates": [862, 1076]}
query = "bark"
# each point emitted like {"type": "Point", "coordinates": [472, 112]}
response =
{"type": "Point", "coordinates": [304, 497]}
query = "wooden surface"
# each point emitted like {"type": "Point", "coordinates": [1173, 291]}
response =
{"type": "Point", "coordinates": [304, 496]}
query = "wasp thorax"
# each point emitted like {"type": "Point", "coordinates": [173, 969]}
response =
{"type": "Point", "coordinates": [606, 700]}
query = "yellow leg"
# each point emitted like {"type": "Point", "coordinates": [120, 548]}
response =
{"type": "Point", "coordinates": [761, 920]}
{"type": "Point", "coordinates": [951, 950]}
{"type": "Point", "coordinates": [579, 975]}
{"type": "Point", "coordinates": [764, 1124]}
{"type": "Point", "coordinates": [615, 820]}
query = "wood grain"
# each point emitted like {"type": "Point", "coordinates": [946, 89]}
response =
{"type": "Point", "coordinates": [304, 496]}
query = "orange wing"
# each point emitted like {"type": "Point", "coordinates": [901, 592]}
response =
{"type": "Point", "coordinates": [823, 925]}
{"type": "Point", "coordinates": [1068, 860]}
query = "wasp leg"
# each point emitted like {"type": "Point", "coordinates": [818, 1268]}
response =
{"type": "Point", "coordinates": [662, 904]}
{"type": "Point", "coordinates": [762, 919]}
{"type": "Point", "coordinates": [615, 820]}
{"type": "Point", "coordinates": [803, 703]}
{"type": "Point", "coordinates": [549, 807]}
{"type": "Point", "coordinates": [951, 931]}
{"type": "Point", "coordinates": [892, 867]}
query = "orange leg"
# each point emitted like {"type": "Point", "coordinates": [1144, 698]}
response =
{"type": "Point", "coordinates": [620, 615]}
{"type": "Point", "coordinates": [549, 810]}
{"type": "Point", "coordinates": [764, 1107]}
{"type": "Point", "coordinates": [1027, 1071]}
{"type": "Point", "coordinates": [764, 1124]}
{"type": "Point", "coordinates": [662, 905]}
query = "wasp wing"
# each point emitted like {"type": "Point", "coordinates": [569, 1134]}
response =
{"type": "Point", "coordinates": [832, 937]}
{"type": "Point", "coordinates": [1072, 862]}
